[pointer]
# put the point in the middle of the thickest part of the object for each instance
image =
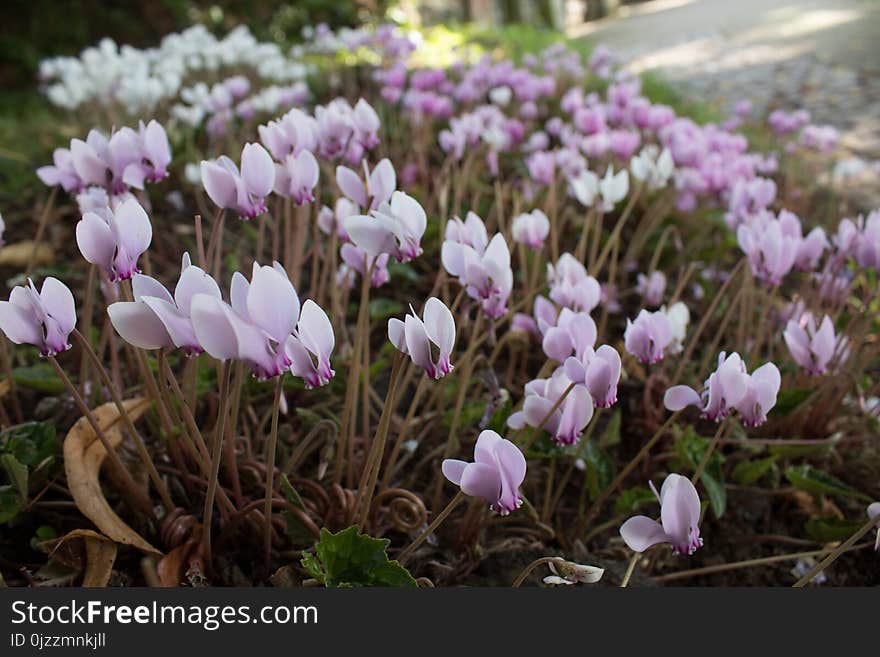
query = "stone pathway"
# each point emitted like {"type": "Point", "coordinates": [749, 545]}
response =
{"type": "Point", "coordinates": [819, 55]}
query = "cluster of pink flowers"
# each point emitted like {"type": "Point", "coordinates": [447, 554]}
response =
{"type": "Point", "coordinates": [482, 265]}
{"type": "Point", "coordinates": [730, 387]}
{"type": "Point", "coordinates": [123, 161]}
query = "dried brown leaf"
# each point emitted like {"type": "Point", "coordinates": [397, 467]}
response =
{"type": "Point", "coordinates": [83, 456]}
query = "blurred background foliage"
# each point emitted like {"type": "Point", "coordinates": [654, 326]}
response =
{"type": "Point", "coordinates": [35, 29]}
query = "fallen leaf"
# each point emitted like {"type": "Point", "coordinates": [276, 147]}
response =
{"type": "Point", "coordinates": [86, 550]}
{"type": "Point", "coordinates": [172, 566]}
{"type": "Point", "coordinates": [22, 254]}
{"type": "Point", "coordinates": [83, 456]}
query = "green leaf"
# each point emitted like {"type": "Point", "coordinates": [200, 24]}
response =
{"type": "Point", "coordinates": [352, 559]}
{"type": "Point", "coordinates": [789, 399]}
{"type": "Point", "coordinates": [797, 451]}
{"type": "Point", "coordinates": [10, 504]}
{"type": "Point", "coordinates": [599, 470]}
{"type": "Point", "coordinates": [633, 498]}
{"type": "Point", "coordinates": [611, 435]}
{"type": "Point", "coordinates": [690, 449]}
{"type": "Point", "coordinates": [384, 308]}
{"type": "Point", "coordinates": [813, 480]}
{"type": "Point", "coordinates": [748, 472]}
{"type": "Point", "coordinates": [498, 421]}
{"type": "Point", "coordinates": [31, 443]}
{"type": "Point", "coordinates": [40, 377]}
{"type": "Point", "coordinates": [43, 533]}
{"type": "Point", "coordinates": [826, 530]}
{"type": "Point", "coordinates": [296, 530]}
{"type": "Point", "coordinates": [17, 475]}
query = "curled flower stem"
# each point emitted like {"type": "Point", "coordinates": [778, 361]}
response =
{"type": "Point", "coordinates": [136, 436]}
{"type": "Point", "coordinates": [270, 468]}
{"type": "Point", "coordinates": [840, 549]}
{"type": "Point", "coordinates": [528, 569]}
{"type": "Point", "coordinates": [130, 484]}
{"type": "Point", "coordinates": [430, 529]}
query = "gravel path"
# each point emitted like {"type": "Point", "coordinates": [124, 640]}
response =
{"type": "Point", "coordinates": [819, 55]}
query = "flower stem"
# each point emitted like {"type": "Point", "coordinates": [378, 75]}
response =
{"type": "Point", "coordinates": [701, 467]}
{"type": "Point", "coordinates": [270, 468]}
{"type": "Point", "coordinates": [216, 447]}
{"type": "Point", "coordinates": [748, 563]}
{"type": "Point", "coordinates": [377, 449]}
{"type": "Point", "coordinates": [127, 480]}
{"type": "Point", "coordinates": [138, 441]}
{"type": "Point", "coordinates": [831, 558]}
{"type": "Point", "coordinates": [430, 529]}
{"type": "Point", "coordinates": [629, 570]}
{"type": "Point", "coordinates": [528, 569]}
{"type": "Point", "coordinates": [597, 505]}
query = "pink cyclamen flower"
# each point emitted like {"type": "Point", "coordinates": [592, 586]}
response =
{"type": "Point", "coordinates": [812, 349]}
{"type": "Point", "coordinates": [61, 172]}
{"type": "Point", "coordinates": [373, 190]}
{"type": "Point", "coordinates": [156, 319]}
{"type": "Point", "coordinates": [244, 191]}
{"type": "Point", "coordinates": [771, 251]}
{"type": "Point", "coordinates": [679, 519]}
{"type": "Point", "coordinates": [722, 390]}
{"type": "Point", "coordinates": [567, 421]}
{"type": "Point", "coordinates": [482, 268]}
{"type": "Point", "coordinates": [573, 333]}
{"type": "Point", "coordinates": [421, 339]}
{"type": "Point", "coordinates": [496, 474]}
{"type": "Point", "coordinates": [311, 345]}
{"type": "Point", "coordinates": [366, 124]}
{"type": "Point", "coordinates": [648, 337]}
{"type": "Point", "coordinates": [296, 177]}
{"type": "Point", "coordinates": [395, 228]}
{"type": "Point", "coordinates": [730, 387]}
{"type": "Point", "coordinates": [115, 239]}
{"type": "Point", "coordinates": [265, 327]}
{"type": "Point", "coordinates": [762, 387]}
{"type": "Point", "coordinates": [357, 260]}
{"type": "Point", "coordinates": [155, 156]}
{"type": "Point", "coordinates": [651, 288]}
{"type": "Point", "coordinates": [531, 229]}
{"type": "Point", "coordinates": [599, 371]}
{"type": "Point", "coordinates": [44, 319]}
{"type": "Point", "coordinates": [571, 286]}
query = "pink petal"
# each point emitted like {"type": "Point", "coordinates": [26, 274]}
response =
{"type": "Point", "coordinates": [640, 532]}
{"type": "Point", "coordinates": [136, 323]}
{"type": "Point", "coordinates": [257, 170]}
{"type": "Point", "coordinates": [95, 240]}
{"type": "Point", "coordinates": [678, 397]}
